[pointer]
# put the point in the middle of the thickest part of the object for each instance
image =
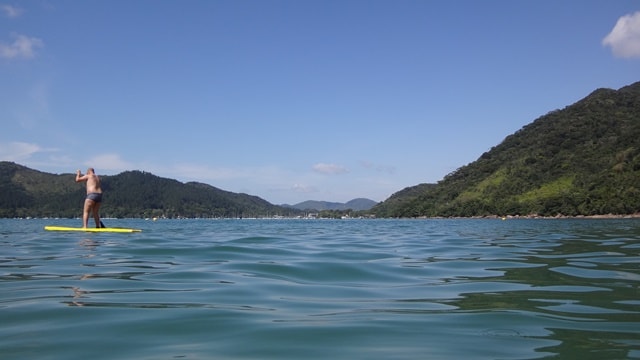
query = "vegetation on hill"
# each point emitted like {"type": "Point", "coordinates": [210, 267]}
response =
{"type": "Point", "coordinates": [581, 160]}
{"type": "Point", "coordinates": [26, 192]}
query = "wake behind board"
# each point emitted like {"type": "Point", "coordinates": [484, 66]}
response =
{"type": "Point", "coordinates": [66, 228]}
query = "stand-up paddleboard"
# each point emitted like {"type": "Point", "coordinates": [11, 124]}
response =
{"type": "Point", "coordinates": [116, 230]}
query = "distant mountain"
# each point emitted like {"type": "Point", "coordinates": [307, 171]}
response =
{"type": "Point", "coordinates": [27, 192]}
{"type": "Point", "coordinates": [355, 204]}
{"type": "Point", "coordinates": [581, 160]}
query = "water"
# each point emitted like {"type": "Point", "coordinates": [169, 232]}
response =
{"type": "Point", "coordinates": [322, 289]}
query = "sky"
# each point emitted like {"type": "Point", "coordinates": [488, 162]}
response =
{"type": "Point", "coordinates": [295, 100]}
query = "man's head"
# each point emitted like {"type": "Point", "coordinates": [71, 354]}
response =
{"type": "Point", "coordinates": [90, 171]}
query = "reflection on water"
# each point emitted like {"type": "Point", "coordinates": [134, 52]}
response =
{"type": "Point", "coordinates": [446, 289]}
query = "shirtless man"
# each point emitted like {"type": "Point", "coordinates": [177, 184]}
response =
{"type": "Point", "coordinates": [94, 196]}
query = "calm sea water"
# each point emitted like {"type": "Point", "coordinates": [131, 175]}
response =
{"type": "Point", "coordinates": [322, 289]}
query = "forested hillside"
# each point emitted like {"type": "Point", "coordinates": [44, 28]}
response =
{"type": "Point", "coordinates": [581, 160]}
{"type": "Point", "coordinates": [26, 192]}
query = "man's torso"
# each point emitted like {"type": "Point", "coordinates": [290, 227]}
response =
{"type": "Point", "coordinates": [93, 184]}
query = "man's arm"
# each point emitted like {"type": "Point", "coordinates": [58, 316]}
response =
{"type": "Point", "coordinates": [80, 177]}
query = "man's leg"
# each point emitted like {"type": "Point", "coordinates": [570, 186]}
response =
{"type": "Point", "coordinates": [96, 213]}
{"type": "Point", "coordinates": [88, 204]}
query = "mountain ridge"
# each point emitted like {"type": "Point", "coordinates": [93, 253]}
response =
{"type": "Point", "coordinates": [580, 160]}
{"type": "Point", "coordinates": [27, 192]}
{"type": "Point", "coordinates": [357, 204]}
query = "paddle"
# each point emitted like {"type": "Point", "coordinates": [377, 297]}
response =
{"type": "Point", "coordinates": [102, 224]}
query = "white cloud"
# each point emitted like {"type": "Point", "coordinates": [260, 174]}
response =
{"type": "Point", "coordinates": [330, 169]}
{"type": "Point", "coordinates": [305, 189]}
{"type": "Point", "coordinates": [18, 151]}
{"type": "Point", "coordinates": [10, 11]}
{"type": "Point", "coordinates": [624, 39]}
{"type": "Point", "coordinates": [22, 47]}
{"type": "Point", "coordinates": [61, 160]}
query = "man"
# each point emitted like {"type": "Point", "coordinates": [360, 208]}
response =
{"type": "Point", "coordinates": [94, 196]}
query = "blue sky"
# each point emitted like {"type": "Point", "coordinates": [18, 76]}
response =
{"type": "Point", "coordinates": [295, 100]}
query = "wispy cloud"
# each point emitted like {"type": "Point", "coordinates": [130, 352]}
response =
{"type": "Point", "coordinates": [111, 162]}
{"type": "Point", "coordinates": [35, 111]}
{"type": "Point", "coordinates": [34, 155]}
{"type": "Point", "coordinates": [204, 172]}
{"type": "Point", "coordinates": [330, 169]}
{"type": "Point", "coordinates": [22, 47]}
{"type": "Point", "coordinates": [11, 11]}
{"type": "Point", "coordinates": [624, 39]}
{"type": "Point", "coordinates": [18, 151]}
{"type": "Point", "coordinates": [305, 189]}
{"type": "Point", "coordinates": [388, 169]}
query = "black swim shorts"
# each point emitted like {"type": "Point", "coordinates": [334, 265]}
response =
{"type": "Point", "coordinates": [97, 197]}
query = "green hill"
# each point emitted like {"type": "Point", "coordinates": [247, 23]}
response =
{"type": "Point", "coordinates": [26, 192]}
{"type": "Point", "coordinates": [581, 160]}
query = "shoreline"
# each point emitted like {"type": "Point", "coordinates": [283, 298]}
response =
{"type": "Point", "coordinates": [536, 216]}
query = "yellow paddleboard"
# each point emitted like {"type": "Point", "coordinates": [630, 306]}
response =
{"type": "Point", "coordinates": [65, 228]}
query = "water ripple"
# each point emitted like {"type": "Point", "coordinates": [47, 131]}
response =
{"type": "Point", "coordinates": [374, 289]}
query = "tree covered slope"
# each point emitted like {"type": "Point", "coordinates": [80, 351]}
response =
{"type": "Point", "coordinates": [581, 160]}
{"type": "Point", "coordinates": [26, 192]}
